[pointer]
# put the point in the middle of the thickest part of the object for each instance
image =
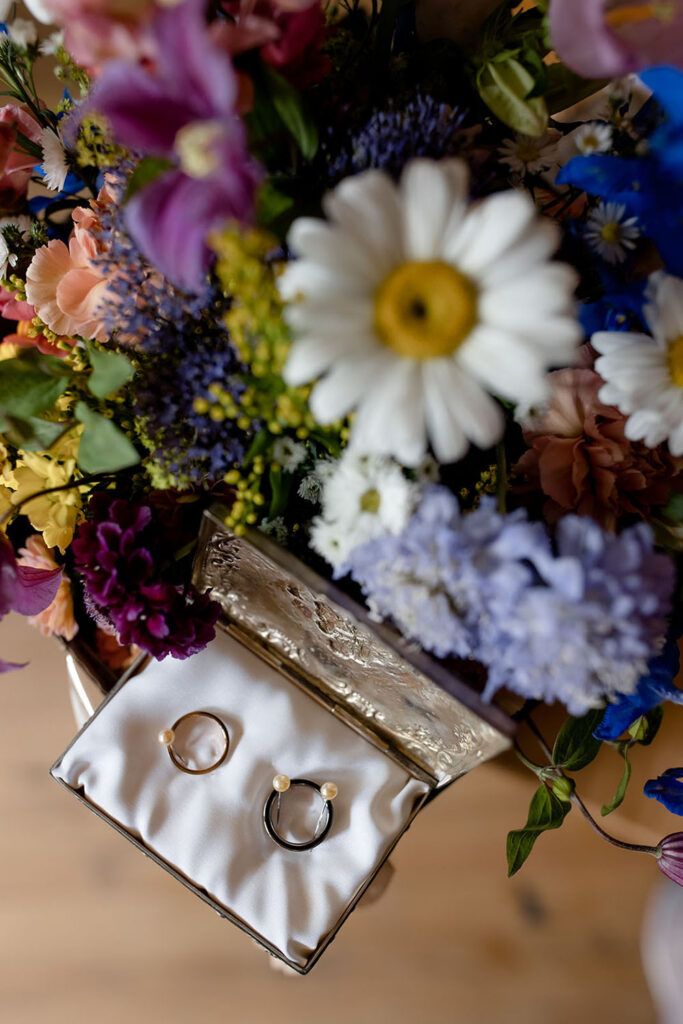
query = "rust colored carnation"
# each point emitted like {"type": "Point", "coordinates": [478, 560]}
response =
{"type": "Point", "coordinates": [580, 458]}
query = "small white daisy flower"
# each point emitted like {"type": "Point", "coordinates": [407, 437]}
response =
{"type": "Point", "coordinates": [416, 309]}
{"type": "Point", "coordinates": [52, 44]}
{"type": "Point", "coordinates": [275, 528]}
{"type": "Point", "coordinates": [589, 138]}
{"type": "Point", "coordinates": [7, 257]}
{"type": "Point", "coordinates": [23, 33]}
{"type": "Point", "coordinates": [54, 165]}
{"type": "Point", "coordinates": [643, 374]}
{"type": "Point", "coordinates": [366, 497]}
{"type": "Point", "coordinates": [527, 155]}
{"type": "Point", "coordinates": [610, 233]}
{"type": "Point", "coordinates": [288, 453]}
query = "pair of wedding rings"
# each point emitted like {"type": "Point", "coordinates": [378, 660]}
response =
{"type": "Point", "coordinates": [282, 784]}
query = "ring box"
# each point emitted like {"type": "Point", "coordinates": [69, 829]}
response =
{"type": "Point", "coordinates": [308, 685]}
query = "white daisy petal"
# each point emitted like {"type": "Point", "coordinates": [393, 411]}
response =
{"type": "Point", "coordinates": [367, 208]}
{"type": "Point", "coordinates": [427, 204]}
{"type": "Point", "coordinates": [459, 405]}
{"type": "Point", "coordinates": [303, 277]}
{"type": "Point", "coordinates": [502, 364]}
{"type": "Point", "coordinates": [500, 222]}
{"type": "Point", "coordinates": [392, 418]}
{"type": "Point", "coordinates": [536, 246]}
{"type": "Point", "coordinates": [519, 303]}
{"type": "Point", "coordinates": [345, 385]}
{"type": "Point", "coordinates": [320, 243]}
{"type": "Point", "coordinates": [310, 357]}
{"type": "Point", "coordinates": [54, 165]}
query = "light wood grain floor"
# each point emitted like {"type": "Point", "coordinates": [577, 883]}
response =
{"type": "Point", "coordinates": [92, 931]}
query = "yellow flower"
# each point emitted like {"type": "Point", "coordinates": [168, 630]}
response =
{"type": "Point", "coordinates": [6, 482]}
{"type": "Point", "coordinates": [56, 514]}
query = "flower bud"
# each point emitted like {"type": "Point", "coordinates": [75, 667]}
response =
{"type": "Point", "coordinates": [670, 857]}
{"type": "Point", "coordinates": [563, 788]}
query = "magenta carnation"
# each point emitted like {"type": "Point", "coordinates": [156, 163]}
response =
{"type": "Point", "coordinates": [118, 552]}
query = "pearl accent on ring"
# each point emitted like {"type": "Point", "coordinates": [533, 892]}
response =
{"type": "Point", "coordinates": [166, 736]}
{"type": "Point", "coordinates": [281, 783]}
{"type": "Point", "coordinates": [329, 790]}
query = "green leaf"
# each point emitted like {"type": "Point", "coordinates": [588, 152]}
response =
{"type": "Point", "coordinates": [289, 105]}
{"type": "Point", "coordinates": [25, 390]}
{"type": "Point", "coordinates": [271, 204]}
{"type": "Point", "coordinates": [673, 510]}
{"type": "Point", "coordinates": [506, 87]}
{"type": "Point", "coordinates": [545, 812]}
{"type": "Point", "coordinates": [33, 434]}
{"type": "Point", "coordinates": [575, 746]}
{"type": "Point", "coordinates": [618, 797]}
{"type": "Point", "coordinates": [147, 171]}
{"type": "Point", "coordinates": [103, 448]}
{"type": "Point", "coordinates": [110, 371]}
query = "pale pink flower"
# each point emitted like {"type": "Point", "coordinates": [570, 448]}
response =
{"type": "Point", "coordinates": [64, 283]}
{"type": "Point", "coordinates": [58, 618]}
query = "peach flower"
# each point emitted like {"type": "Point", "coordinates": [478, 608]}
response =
{"type": "Point", "coordinates": [58, 618]}
{"type": "Point", "coordinates": [64, 283]}
{"type": "Point", "coordinates": [16, 167]}
{"type": "Point", "coordinates": [580, 458]}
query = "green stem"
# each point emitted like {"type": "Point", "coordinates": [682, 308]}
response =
{"type": "Point", "coordinates": [576, 799]}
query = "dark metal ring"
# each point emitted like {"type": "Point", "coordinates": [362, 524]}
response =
{"type": "Point", "coordinates": [177, 759]}
{"type": "Point", "coordinates": [285, 843]}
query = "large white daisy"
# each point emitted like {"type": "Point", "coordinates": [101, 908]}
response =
{"type": "Point", "coordinates": [416, 307]}
{"type": "Point", "coordinates": [643, 373]}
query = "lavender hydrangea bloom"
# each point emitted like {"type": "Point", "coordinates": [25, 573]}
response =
{"type": "Point", "coordinates": [433, 579]}
{"type": "Point", "coordinates": [182, 111]}
{"type": "Point", "coordinates": [587, 626]}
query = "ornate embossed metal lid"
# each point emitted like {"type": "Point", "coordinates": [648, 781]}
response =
{"type": "Point", "coordinates": [395, 694]}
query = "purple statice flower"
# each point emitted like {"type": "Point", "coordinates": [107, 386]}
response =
{"type": "Point", "coordinates": [433, 579]}
{"type": "Point", "coordinates": [117, 551]}
{"type": "Point", "coordinates": [187, 445]}
{"type": "Point", "coordinates": [395, 134]}
{"type": "Point", "coordinates": [668, 789]}
{"type": "Point", "coordinates": [587, 625]}
{"type": "Point", "coordinates": [182, 109]}
{"type": "Point", "coordinates": [670, 857]}
{"type": "Point", "coordinates": [24, 589]}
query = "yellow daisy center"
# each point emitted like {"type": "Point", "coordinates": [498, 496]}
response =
{"type": "Point", "coordinates": [631, 13]}
{"type": "Point", "coordinates": [611, 232]}
{"type": "Point", "coordinates": [425, 310]}
{"type": "Point", "coordinates": [370, 501]}
{"type": "Point", "coordinates": [675, 359]}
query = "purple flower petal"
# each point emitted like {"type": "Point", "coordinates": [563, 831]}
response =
{"type": "Point", "coordinates": [35, 589]}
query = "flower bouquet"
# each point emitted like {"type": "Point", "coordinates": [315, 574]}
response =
{"type": "Point", "coordinates": [393, 299]}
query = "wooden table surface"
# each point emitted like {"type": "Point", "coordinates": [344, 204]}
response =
{"type": "Point", "coordinates": [92, 931]}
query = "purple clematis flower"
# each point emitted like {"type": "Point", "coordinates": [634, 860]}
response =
{"type": "Point", "coordinates": [24, 589]}
{"type": "Point", "coordinates": [602, 39]}
{"type": "Point", "coordinates": [183, 111]}
{"type": "Point", "coordinates": [670, 857]}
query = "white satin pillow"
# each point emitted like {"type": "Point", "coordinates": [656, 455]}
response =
{"type": "Point", "coordinates": [209, 827]}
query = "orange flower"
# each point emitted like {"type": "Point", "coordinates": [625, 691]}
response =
{"type": "Point", "coordinates": [58, 618]}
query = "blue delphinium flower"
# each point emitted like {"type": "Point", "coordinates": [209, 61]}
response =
{"type": "Point", "coordinates": [587, 626]}
{"type": "Point", "coordinates": [392, 136]}
{"type": "Point", "coordinates": [432, 580]}
{"type": "Point", "coordinates": [173, 404]}
{"type": "Point", "coordinates": [576, 622]}
{"type": "Point", "coordinates": [655, 687]}
{"type": "Point", "coordinates": [668, 789]}
{"type": "Point", "coordinates": [650, 186]}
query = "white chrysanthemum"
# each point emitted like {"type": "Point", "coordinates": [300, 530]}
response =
{"type": "Point", "coordinates": [54, 165]}
{"type": "Point", "coordinates": [610, 233]}
{"type": "Point", "coordinates": [417, 309]}
{"type": "Point", "coordinates": [275, 528]}
{"type": "Point", "coordinates": [528, 155]}
{"type": "Point", "coordinates": [643, 374]}
{"type": "Point", "coordinates": [52, 44]}
{"type": "Point", "coordinates": [589, 138]}
{"type": "Point", "coordinates": [366, 496]}
{"type": "Point", "coordinates": [288, 453]}
{"type": "Point", "coordinates": [23, 33]}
